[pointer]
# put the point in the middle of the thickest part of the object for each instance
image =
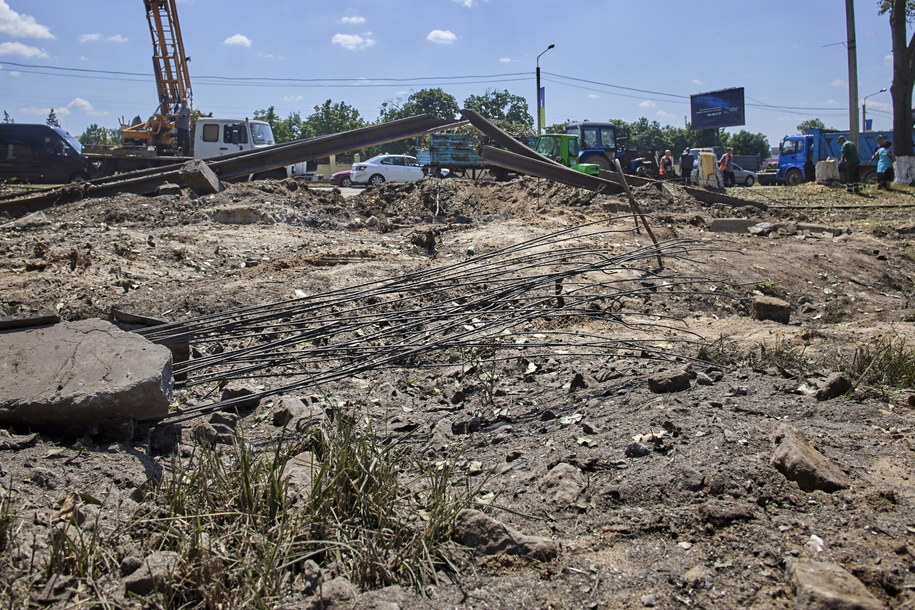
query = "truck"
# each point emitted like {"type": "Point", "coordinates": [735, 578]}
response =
{"type": "Point", "coordinates": [212, 138]}
{"type": "Point", "coordinates": [452, 154]}
{"type": "Point", "coordinates": [798, 155]}
{"type": "Point", "coordinates": [601, 143]}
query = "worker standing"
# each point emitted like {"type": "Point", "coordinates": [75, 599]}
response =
{"type": "Point", "coordinates": [725, 164]}
{"type": "Point", "coordinates": [183, 125]}
{"type": "Point", "coordinates": [850, 161]}
{"type": "Point", "coordinates": [667, 165]}
{"type": "Point", "coordinates": [687, 160]}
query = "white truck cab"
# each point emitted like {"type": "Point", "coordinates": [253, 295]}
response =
{"type": "Point", "coordinates": [218, 137]}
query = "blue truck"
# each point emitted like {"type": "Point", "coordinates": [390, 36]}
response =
{"type": "Point", "coordinates": [798, 155]}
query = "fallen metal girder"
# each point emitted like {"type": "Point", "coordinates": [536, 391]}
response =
{"type": "Point", "coordinates": [507, 141]}
{"type": "Point", "coordinates": [547, 169]}
{"type": "Point", "coordinates": [239, 164]}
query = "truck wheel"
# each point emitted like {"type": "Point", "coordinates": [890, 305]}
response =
{"type": "Point", "coordinates": [376, 180]}
{"type": "Point", "coordinates": [870, 178]}
{"type": "Point", "coordinates": [794, 177]}
{"type": "Point", "coordinates": [82, 177]}
{"type": "Point", "coordinates": [601, 160]}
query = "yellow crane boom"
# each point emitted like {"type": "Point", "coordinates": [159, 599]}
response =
{"type": "Point", "coordinates": [173, 82]}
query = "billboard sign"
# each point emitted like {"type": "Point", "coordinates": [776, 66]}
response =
{"type": "Point", "coordinates": [724, 108]}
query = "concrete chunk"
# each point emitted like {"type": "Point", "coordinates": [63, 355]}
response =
{"type": "Point", "coordinates": [820, 584]}
{"type": "Point", "coordinates": [771, 308]}
{"type": "Point", "coordinates": [800, 462]}
{"type": "Point", "coordinates": [198, 177]}
{"type": "Point", "coordinates": [82, 372]}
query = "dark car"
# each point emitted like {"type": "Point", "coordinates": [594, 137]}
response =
{"type": "Point", "coordinates": [40, 154]}
{"type": "Point", "coordinates": [342, 179]}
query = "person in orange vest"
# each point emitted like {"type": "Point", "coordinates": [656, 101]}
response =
{"type": "Point", "coordinates": [667, 165]}
{"type": "Point", "coordinates": [725, 164]}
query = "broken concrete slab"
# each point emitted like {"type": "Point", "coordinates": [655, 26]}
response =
{"type": "Point", "coordinates": [800, 462]}
{"type": "Point", "coordinates": [478, 531]}
{"type": "Point", "coordinates": [82, 372]}
{"type": "Point", "coordinates": [198, 177]}
{"type": "Point", "coordinates": [821, 584]}
{"type": "Point", "coordinates": [771, 308]}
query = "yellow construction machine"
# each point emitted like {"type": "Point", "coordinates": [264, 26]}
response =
{"type": "Point", "coordinates": [173, 82]}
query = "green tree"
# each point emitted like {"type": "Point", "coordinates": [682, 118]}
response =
{"type": "Point", "coordinates": [96, 135]}
{"type": "Point", "coordinates": [7, 118]}
{"type": "Point", "coordinates": [746, 143]}
{"type": "Point", "coordinates": [52, 119]}
{"type": "Point", "coordinates": [508, 111]}
{"type": "Point", "coordinates": [810, 124]}
{"type": "Point", "coordinates": [284, 130]}
{"type": "Point", "coordinates": [434, 103]}
{"type": "Point", "coordinates": [331, 118]}
{"type": "Point", "coordinates": [901, 13]}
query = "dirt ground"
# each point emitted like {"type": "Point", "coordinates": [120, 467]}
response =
{"type": "Point", "coordinates": [702, 520]}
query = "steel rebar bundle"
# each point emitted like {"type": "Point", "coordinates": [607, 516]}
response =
{"type": "Point", "coordinates": [519, 301]}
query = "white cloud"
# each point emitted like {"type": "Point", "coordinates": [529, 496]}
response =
{"type": "Point", "coordinates": [696, 81]}
{"type": "Point", "coordinates": [80, 104]}
{"type": "Point", "coordinates": [830, 102]}
{"type": "Point", "coordinates": [469, 3]}
{"type": "Point", "coordinates": [238, 39]}
{"type": "Point", "coordinates": [838, 83]}
{"type": "Point", "coordinates": [292, 98]}
{"type": "Point", "coordinates": [353, 42]}
{"type": "Point", "coordinates": [90, 37]}
{"type": "Point", "coordinates": [44, 111]}
{"type": "Point", "coordinates": [888, 60]}
{"type": "Point", "coordinates": [593, 96]}
{"type": "Point", "coordinates": [505, 60]}
{"type": "Point", "coordinates": [353, 20]}
{"type": "Point", "coordinates": [441, 37]}
{"type": "Point", "coordinates": [665, 115]}
{"type": "Point", "coordinates": [270, 55]}
{"type": "Point", "coordinates": [117, 38]}
{"type": "Point", "coordinates": [19, 25]}
{"type": "Point", "coordinates": [20, 50]}
{"type": "Point", "coordinates": [647, 104]}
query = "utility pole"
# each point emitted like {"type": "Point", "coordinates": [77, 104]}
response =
{"type": "Point", "coordinates": [540, 96]}
{"type": "Point", "coordinates": [852, 45]}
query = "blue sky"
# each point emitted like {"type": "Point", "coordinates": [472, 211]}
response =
{"type": "Point", "coordinates": [640, 59]}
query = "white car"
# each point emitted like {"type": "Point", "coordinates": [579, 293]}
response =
{"type": "Point", "coordinates": [741, 176]}
{"type": "Point", "coordinates": [387, 168]}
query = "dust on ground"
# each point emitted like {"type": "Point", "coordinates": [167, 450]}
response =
{"type": "Point", "coordinates": [703, 520]}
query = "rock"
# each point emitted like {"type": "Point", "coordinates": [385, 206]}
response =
{"type": "Point", "coordinates": [837, 384]}
{"type": "Point", "coordinates": [820, 585]}
{"type": "Point", "coordinates": [563, 483]}
{"type": "Point", "coordinates": [44, 478]}
{"type": "Point", "coordinates": [299, 473]}
{"type": "Point", "coordinates": [155, 574]}
{"type": "Point", "coordinates": [761, 229]}
{"type": "Point", "coordinates": [475, 530]}
{"type": "Point", "coordinates": [168, 188]}
{"type": "Point", "coordinates": [336, 593]}
{"type": "Point", "coordinates": [577, 383]}
{"type": "Point", "coordinates": [238, 394]}
{"type": "Point", "coordinates": [731, 225]}
{"type": "Point", "coordinates": [771, 308]}
{"type": "Point", "coordinates": [703, 379]}
{"type": "Point", "coordinates": [291, 409]}
{"type": "Point", "coordinates": [80, 373]}
{"type": "Point", "coordinates": [800, 462]}
{"type": "Point", "coordinates": [198, 177]}
{"type": "Point", "coordinates": [206, 433]}
{"type": "Point", "coordinates": [466, 427]}
{"type": "Point", "coordinates": [164, 439]}
{"type": "Point", "coordinates": [637, 450]}
{"type": "Point", "coordinates": [15, 442]}
{"type": "Point", "coordinates": [691, 479]}
{"type": "Point", "coordinates": [720, 513]}
{"type": "Point", "coordinates": [310, 576]}
{"type": "Point", "coordinates": [547, 415]}
{"type": "Point", "coordinates": [224, 419]}
{"type": "Point", "coordinates": [669, 381]}
{"type": "Point", "coordinates": [648, 600]}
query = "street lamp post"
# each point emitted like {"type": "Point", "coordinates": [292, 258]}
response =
{"type": "Point", "coordinates": [864, 109]}
{"type": "Point", "coordinates": [539, 97]}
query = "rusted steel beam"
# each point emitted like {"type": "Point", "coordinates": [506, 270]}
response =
{"type": "Point", "coordinates": [239, 164]}
{"type": "Point", "coordinates": [547, 169]}
{"type": "Point", "coordinates": [508, 142]}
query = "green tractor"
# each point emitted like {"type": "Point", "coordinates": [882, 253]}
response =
{"type": "Point", "coordinates": [563, 148]}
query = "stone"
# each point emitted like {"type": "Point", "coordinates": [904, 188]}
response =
{"type": "Point", "coordinates": [820, 585]}
{"type": "Point", "coordinates": [691, 479]}
{"type": "Point", "coordinates": [198, 177]}
{"type": "Point", "coordinates": [154, 574]}
{"type": "Point", "coordinates": [636, 450]}
{"type": "Point", "coordinates": [771, 308]}
{"type": "Point", "coordinates": [164, 439]}
{"type": "Point", "coordinates": [168, 188]}
{"type": "Point", "coordinates": [731, 225]}
{"type": "Point", "coordinates": [669, 381]}
{"type": "Point", "coordinates": [800, 462]}
{"type": "Point", "coordinates": [336, 593]}
{"type": "Point", "coordinates": [239, 397]}
{"type": "Point", "coordinates": [577, 383]}
{"type": "Point", "coordinates": [704, 379]}
{"type": "Point", "coordinates": [837, 384]}
{"type": "Point", "coordinates": [15, 442]}
{"type": "Point", "coordinates": [81, 373]}
{"type": "Point", "coordinates": [478, 531]}
{"type": "Point", "coordinates": [563, 483]}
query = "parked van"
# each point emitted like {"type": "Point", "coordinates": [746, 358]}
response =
{"type": "Point", "coordinates": [40, 154]}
